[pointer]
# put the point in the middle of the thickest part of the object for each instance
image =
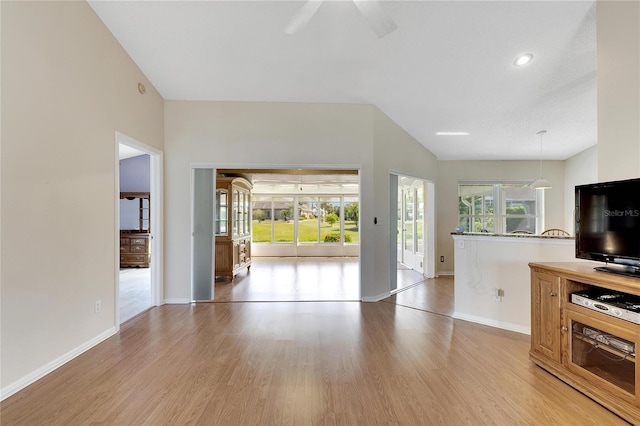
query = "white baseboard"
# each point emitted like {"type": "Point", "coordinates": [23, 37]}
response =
{"type": "Point", "coordinates": [493, 323]}
{"type": "Point", "coordinates": [30, 378]}
{"type": "Point", "coordinates": [377, 298]}
{"type": "Point", "coordinates": [177, 301]}
{"type": "Point", "coordinates": [444, 273]}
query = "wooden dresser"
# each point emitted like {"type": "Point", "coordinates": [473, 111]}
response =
{"type": "Point", "coordinates": [134, 249]}
{"type": "Point", "coordinates": [135, 231]}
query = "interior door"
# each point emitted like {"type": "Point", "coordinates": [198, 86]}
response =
{"type": "Point", "coordinates": [203, 234]}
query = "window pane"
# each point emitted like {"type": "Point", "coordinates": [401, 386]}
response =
{"type": "Point", "coordinates": [307, 220]}
{"type": "Point", "coordinates": [221, 212]}
{"type": "Point", "coordinates": [479, 212]}
{"type": "Point", "coordinates": [234, 217]}
{"type": "Point", "coordinates": [420, 219]}
{"type": "Point", "coordinates": [520, 208]}
{"type": "Point", "coordinates": [351, 216]}
{"type": "Point", "coordinates": [241, 213]}
{"type": "Point", "coordinates": [408, 236]}
{"type": "Point", "coordinates": [262, 214]}
{"type": "Point", "coordinates": [283, 220]}
{"type": "Point", "coordinates": [329, 214]}
{"type": "Point", "coordinates": [409, 206]}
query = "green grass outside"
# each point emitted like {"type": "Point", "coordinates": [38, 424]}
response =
{"type": "Point", "coordinates": [307, 231]}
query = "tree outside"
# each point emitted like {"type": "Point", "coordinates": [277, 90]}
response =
{"type": "Point", "coordinates": [287, 213]}
{"type": "Point", "coordinates": [259, 215]}
{"type": "Point", "coordinates": [331, 218]}
{"type": "Point", "coordinates": [351, 212]}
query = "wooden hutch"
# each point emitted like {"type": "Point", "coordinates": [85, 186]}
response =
{"type": "Point", "coordinates": [134, 238]}
{"type": "Point", "coordinates": [232, 226]}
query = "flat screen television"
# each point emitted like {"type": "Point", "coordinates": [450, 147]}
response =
{"type": "Point", "coordinates": [608, 225]}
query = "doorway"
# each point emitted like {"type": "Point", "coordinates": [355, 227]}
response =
{"type": "Point", "coordinates": [298, 219]}
{"type": "Point", "coordinates": [139, 228]}
{"type": "Point", "coordinates": [412, 209]}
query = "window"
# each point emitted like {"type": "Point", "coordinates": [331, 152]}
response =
{"type": "Point", "coordinates": [272, 219]}
{"type": "Point", "coordinates": [317, 219]}
{"type": "Point", "coordinates": [500, 207]}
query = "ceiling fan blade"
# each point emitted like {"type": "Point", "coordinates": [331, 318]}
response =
{"type": "Point", "coordinates": [380, 21]}
{"type": "Point", "coordinates": [303, 16]}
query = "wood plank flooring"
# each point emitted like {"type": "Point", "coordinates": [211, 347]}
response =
{"type": "Point", "coordinates": [432, 295]}
{"type": "Point", "coordinates": [293, 279]}
{"type": "Point", "coordinates": [304, 363]}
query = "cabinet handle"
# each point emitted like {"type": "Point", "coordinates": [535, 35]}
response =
{"type": "Point", "coordinates": [565, 329]}
{"type": "Point", "coordinates": [552, 294]}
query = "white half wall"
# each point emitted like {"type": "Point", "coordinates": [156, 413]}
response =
{"type": "Point", "coordinates": [485, 263]}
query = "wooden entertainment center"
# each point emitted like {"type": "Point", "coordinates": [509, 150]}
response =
{"type": "Point", "coordinates": [581, 346]}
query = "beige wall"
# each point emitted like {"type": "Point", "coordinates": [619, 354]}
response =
{"type": "Point", "coordinates": [67, 87]}
{"type": "Point", "coordinates": [450, 172]}
{"type": "Point", "coordinates": [394, 151]}
{"type": "Point", "coordinates": [618, 38]}
{"type": "Point", "coordinates": [580, 169]}
{"type": "Point", "coordinates": [243, 134]}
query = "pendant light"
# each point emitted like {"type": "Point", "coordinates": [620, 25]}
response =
{"type": "Point", "coordinates": [541, 183]}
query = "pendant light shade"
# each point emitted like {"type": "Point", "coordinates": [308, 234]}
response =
{"type": "Point", "coordinates": [541, 183]}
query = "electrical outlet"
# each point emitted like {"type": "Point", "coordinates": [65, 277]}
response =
{"type": "Point", "coordinates": [497, 294]}
{"type": "Point", "coordinates": [97, 307]}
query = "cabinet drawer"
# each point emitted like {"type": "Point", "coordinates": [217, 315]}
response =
{"type": "Point", "coordinates": [124, 241]}
{"type": "Point", "coordinates": [138, 249]}
{"type": "Point", "coordinates": [138, 241]}
{"type": "Point", "coordinates": [133, 257]}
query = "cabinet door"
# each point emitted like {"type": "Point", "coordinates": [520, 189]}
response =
{"type": "Point", "coordinates": [545, 315]}
{"type": "Point", "coordinates": [604, 353]}
{"type": "Point", "coordinates": [221, 212]}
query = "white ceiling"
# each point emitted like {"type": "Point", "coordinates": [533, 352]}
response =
{"type": "Point", "coordinates": [448, 66]}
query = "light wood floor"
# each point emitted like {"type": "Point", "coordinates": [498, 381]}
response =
{"type": "Point", "coordinates": [293, 279]}
{"type": "Point", "coordinates": [135, 292]}
{"type": "Point", "coordinates": [299, 363]}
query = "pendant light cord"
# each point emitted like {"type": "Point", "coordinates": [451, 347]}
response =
{"type": "Point", "coordinates": [541, 133]}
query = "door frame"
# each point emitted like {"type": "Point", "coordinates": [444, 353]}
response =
{"type": "Point", "coordinates": [156, 217]}
{"type": "Point", "coordinates": [428, 266]}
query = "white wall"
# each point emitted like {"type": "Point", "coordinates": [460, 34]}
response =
{"type": "Point", "coordinates": [67, 87]}
{"type": "Point", "coordinates": [618, 39]}
{"type": "Point", "coordinates": [580, 169]}
{"type": "Point", "coordinates": [244, 134]}
{"type": "Point", "coordinates": [450, 172]}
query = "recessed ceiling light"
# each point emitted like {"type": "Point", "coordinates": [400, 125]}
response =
{"type": "Point", "coordinates": [523, 59]}
{"type": "Point", "coordinates": [452, 133]}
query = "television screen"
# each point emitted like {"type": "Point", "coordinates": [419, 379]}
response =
{"type": "Point", "coordinates": [608, 223]}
